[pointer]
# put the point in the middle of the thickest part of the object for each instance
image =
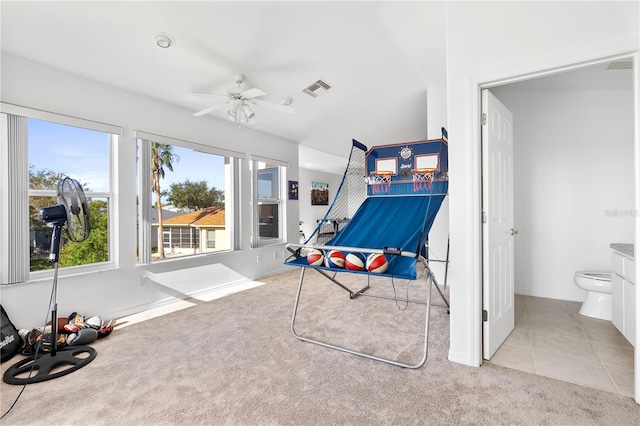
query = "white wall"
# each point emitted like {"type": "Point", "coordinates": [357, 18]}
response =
{"type": "Point", "coordinates": [436, 111]}
{"type": "Point", "coordinates": [573, 169]}
{"type": "Point", "coordinates": [311, 214]}
{"type": "Point", "coordinates": [492, 41]}
{"type": "Point", "coordinates": [439, 234]}
{"type": "Point", "coordinates": [117, 292]}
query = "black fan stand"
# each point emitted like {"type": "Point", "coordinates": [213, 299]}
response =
{"type": "Point", "coordinates": [60, 361]}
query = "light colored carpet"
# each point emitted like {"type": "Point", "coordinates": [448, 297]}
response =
{"type": "Point", "coordinates": [234, 361]}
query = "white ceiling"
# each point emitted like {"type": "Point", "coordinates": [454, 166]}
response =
{"type": "Point", "coordinates": [380, 58]}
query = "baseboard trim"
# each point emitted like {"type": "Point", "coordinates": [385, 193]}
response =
{"type": "Point", "coordinates": [528, 292]}
{"type": "Point", "coordinates": [461, 358]}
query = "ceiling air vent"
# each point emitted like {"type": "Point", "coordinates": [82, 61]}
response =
{"type": "Point", "coordinates": [317, 88]}
{"type": "Point", "coordinates": [620, 65]}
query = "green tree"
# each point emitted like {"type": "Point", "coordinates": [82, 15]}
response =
{"type": "Point", "coordinates": [96, 247]}
{"type": "Point", "coordinates": [193, 195]}
{"type": "Point", "coordinates": [44, 178]}
{"type": "Point", "coordinates": [41, 179]}
{"type": "Point", "coordinates": [162, 156]}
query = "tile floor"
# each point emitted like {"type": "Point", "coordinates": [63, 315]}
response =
{"type": "Point", "coordinates": [552, 339]}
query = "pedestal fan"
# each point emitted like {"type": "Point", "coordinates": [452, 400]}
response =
{"type": "Point", "coordinates": [72, 214]}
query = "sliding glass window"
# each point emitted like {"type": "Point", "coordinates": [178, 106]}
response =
{"type": "Point", "coordinates": [39, 153]}
{"type": "Point", "coordinates": [185, 191]}
{"type": "Point", "coordinates": [267, 196]}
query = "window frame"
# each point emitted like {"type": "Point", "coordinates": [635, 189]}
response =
{"type": "Point", "coordinates": [257, 202]}
{"type": "Point", "coordinates": [145, 202]}
{"type": "Point", "coordinates": [209, 240]}
{"type": "Point", "coordinates": [19, 260]}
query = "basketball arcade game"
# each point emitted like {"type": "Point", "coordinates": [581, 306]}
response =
{"type": "Point", "coordinates": [386, 236]}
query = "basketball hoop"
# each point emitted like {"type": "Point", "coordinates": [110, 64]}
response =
{"type": "Point", "coordinates": [380, 181]}
{"type": "Point", "coordinates": [422, 178]}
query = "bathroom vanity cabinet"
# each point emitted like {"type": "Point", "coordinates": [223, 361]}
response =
{"type": "Point", "coordinates": [623, 290]}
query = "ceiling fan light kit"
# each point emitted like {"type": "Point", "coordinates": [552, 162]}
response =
{"type": "Point", "coordinates": [248, 111]}
{"type": "Point", "coordinates": [239, 98]}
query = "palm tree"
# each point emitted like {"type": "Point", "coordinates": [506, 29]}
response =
{"type": "Point", "coordinates": [161, 157]}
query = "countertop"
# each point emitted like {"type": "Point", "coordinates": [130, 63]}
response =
{"type": "Point", "coordinates": [624, 248]}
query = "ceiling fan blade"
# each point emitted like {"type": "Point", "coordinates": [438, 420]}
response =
{"type": "Point", "coordinates": [210, 94]}
{"type": "Point", "coordinates": [277, 107]}
{"type": "Point", "coordinates": [252, 93]}
{"type": "Point", "coordinates": [208, 110]}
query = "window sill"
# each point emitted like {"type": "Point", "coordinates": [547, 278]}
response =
{"type": "Point", "coordinates": [268, 243]}
{"type": "Point", "coordinates": [71, 271]}
{"type": "Point", "coordinates": [187, 257]}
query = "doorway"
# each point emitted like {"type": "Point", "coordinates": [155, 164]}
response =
{"type": "Point", "coordinates": [561, 200]}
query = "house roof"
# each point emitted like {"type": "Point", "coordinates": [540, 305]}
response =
{"type": "Point", "coordinates": [209, 216]}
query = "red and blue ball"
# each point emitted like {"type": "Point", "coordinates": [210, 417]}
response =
{"type": "Point", "coordinates": [334, 259]}
{"type": "Point", "coordinates": [377, 263]}
{"type": "Point", "coordinates": [355, 261]}
{"type": "Point", "coordinates": [315, 257]}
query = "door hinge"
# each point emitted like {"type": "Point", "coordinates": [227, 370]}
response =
{"type": "Point", "coordinates": [485, 315]}
{"type": "Point", "coordinates": [484, 118]}
{"type": "Point", "coordinates": [484, 217]}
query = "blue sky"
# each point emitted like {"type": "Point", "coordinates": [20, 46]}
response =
{"type": "Point", "coordinates": [196, 166]}
{"type": "Point", "coordinates": [83, 155]}
{"type": "Point", "coordinates": [79, 153]}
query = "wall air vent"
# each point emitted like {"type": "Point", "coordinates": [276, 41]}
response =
{"type": "Point", "coordinates": [316, 89]}
{"type": "Point", "coordinates": [620, 65]}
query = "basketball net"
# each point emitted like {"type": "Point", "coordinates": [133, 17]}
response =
{"type": "Point", "coordinates": [422, 179]}
{"type": "Point", "coordinates": [380, 181]}
{"type": "Point", "coordinates": [351, 193]}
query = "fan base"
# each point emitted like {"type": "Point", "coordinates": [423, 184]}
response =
{"type": "Point", "coordinates": [47, 366]}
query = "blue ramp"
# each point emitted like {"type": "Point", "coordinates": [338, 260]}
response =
{"type": "Point", "coordinates": [394, 221]}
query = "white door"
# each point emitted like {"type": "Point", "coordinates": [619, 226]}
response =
{"type": "Point", "coordinates": [498, 227]}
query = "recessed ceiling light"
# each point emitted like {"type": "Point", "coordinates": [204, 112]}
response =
{"type": "Point", "coordinates": [287, 101]}
{"type": "Point", "coordinates": [164, 40]}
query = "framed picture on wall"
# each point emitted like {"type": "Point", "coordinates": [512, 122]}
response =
{"type": "Point", "coordinates": [319, 194]}
{"type": "Point", "coordinates": [293, 190]}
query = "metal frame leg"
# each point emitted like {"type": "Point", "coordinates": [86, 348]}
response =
{"type": "Point", "coordinates": [423, 360]}
{"type": "Point", "coordinates": [333, 279]}
{"type": "Point", "coordinates": [436, 285]}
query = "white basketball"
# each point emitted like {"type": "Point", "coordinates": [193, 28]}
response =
{"type": "Point", "coordinates": [377, 263]}
{"type": "Point", "coordinates": [315, 257]}
{"type": "Point", "coordinates": [334, 259]}
{"type": "Point", "coordinates": [354, 261]}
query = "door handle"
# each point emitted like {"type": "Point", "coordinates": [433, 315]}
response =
{"type": "Point", "coordinates": [513, 231]}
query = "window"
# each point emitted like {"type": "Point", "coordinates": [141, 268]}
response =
{"type": "Point", "coordinates": [41, 148]}
{"type": "Point", "coordinates": [55, 151]}
{"type": "Point", "coordinates": [186, 195]}
{"type": "Point", "coordinates": [268, 190]}
{"type": "Point", "coordinates": [211, 239]}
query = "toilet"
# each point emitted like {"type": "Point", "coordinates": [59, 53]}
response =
{"type": "Point", "coordinates": [597, 284]}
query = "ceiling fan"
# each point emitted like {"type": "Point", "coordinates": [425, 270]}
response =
{"type": "Point", "coordinates": [238, 100]}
